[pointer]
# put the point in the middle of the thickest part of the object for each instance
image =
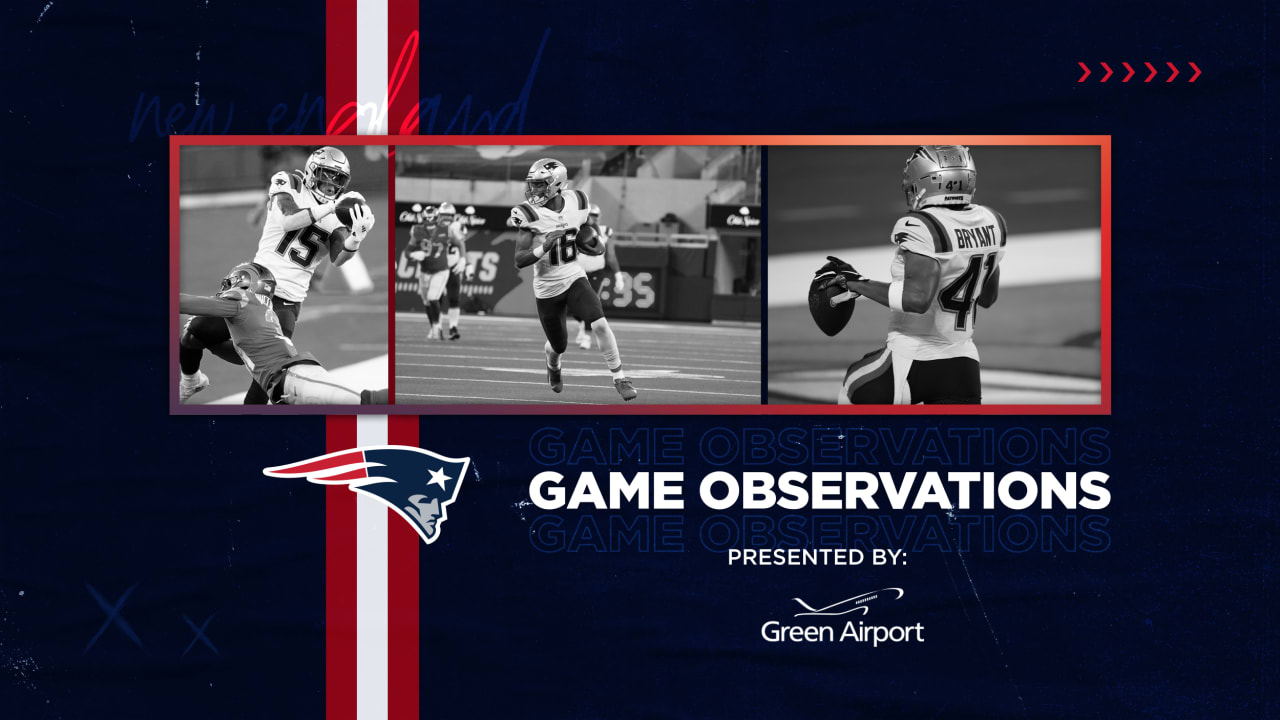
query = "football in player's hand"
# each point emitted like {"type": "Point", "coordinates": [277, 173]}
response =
{"type": "Point", "coordinates": [588, 242]}
{"type": "Point", "coordinates": [831, 319]}
{"type": "Point", "coordinates": [345, 206]}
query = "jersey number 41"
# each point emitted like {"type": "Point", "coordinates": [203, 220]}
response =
{"type": "Point", "coordinates": [961, 296]}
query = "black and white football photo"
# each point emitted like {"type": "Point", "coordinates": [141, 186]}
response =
{"type": "Point", "coordinates": [936, 274]}
{"type": "Point", "coordinates": [578, 275]}
{"type": "Point", "coordinates": [283, 276]}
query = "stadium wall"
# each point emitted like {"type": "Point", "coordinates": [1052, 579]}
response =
{"type": "Point", "coordinates": [625, 203]}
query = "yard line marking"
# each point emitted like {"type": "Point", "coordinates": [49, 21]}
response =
{"type": "Point", "coordinates": [632, 372]}
{"type": "Point", "coordinates": [609, 388]}
{"type": "Point", "coordinates": [541, 358]}
{"type": "Point", "coordinates": [501, 400]}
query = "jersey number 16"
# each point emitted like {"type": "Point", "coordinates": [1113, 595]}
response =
{"type": "Point", "coordinates": [566, 249]}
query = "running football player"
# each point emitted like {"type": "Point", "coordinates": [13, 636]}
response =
{"type": "Point", "coordinates": [429, 244]}
{"type": "Point", "coordinates": [947, 265]}
{"type": "Point", "coordinates": [457, 257]}
{"type": "Point", "coordinates": [548, 223]}
{"type": "Point", "coordinates": [597, 267]}
{"type": "Point", "coordinates": [244, 304]}
{"type": "Point", "coordinates": [300, 225]}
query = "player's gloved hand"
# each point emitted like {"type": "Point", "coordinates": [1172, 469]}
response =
{"type": "Point", "coordinates": [418, 255]}
{"type": "Point", "coordinates": [841, 273]}
{"type": "Point", "coordinates": [459, 267]}
{"type": "Point", "coordinates": [619, 282]}
{"type": "Point", "coordinates": [366, 218]}
{"type": "Point", "coordinates": [361, 221]}
{"type": "Point", "coordinates": [550, 243]}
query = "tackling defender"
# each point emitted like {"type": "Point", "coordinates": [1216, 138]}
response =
{"type": "Point", "coordinates": [549, 222]}
{"type": "Point", "coordinates": [301, 222]}
{"type": "Point", "coordinates": [596, 267]}
{"type": "Point", "coordinates": [947, 265]}
{"type": "Point", "coordinates": [244, 304]}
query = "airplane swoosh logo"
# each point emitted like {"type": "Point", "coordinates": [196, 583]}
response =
{"type": "Point", "coordinates": [857, 603]}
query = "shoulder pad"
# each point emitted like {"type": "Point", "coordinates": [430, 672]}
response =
{"type": "Point", "coordinates": [925, 225]}
{"type": "Point", "coordinates": [1004, 229]}
{"type": "Point", "coordinates": [583, 203]}
{"type": "Point", "coordinates": [281, 182]}
{"type": "Point", "coordinates": [522, 215]}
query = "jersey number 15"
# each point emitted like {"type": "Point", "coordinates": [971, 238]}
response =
{"type": "Point", "coordinates": [306, 241]}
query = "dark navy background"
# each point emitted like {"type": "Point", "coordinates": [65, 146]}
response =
{"type": "Point", "coordinates": [103, 488]}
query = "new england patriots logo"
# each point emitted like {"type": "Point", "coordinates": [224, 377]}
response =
{"type": "Point", "coordinates": [418, 484]}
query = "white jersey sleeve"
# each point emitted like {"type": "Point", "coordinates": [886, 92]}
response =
{"type": "Point", "coordinates": [522, 216]}
{"type": "Point", "coordinates": [282, 182]}
{"type": "Point", "coordinates": [919, 234]}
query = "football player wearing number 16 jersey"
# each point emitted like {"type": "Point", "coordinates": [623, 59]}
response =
{"type": "Point", "coordinates": [947, 265]}
{"type": "Point", "coordinates": [549, 222]}
{"type": "Point", "coordinates": [301, 224]}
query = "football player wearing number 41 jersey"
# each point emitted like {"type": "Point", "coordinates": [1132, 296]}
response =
{"type": "Point", "coordinates": [947, 265]}
{"type": "Point", "coordinates": [549, 222]}
{"type": "Point", "coordinates": [301, 224]}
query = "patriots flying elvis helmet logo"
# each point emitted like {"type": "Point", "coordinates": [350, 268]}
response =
{"type": "Point", "coordinates": [418, 484]}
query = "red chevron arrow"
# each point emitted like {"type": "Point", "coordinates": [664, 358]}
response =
{"type": "Point", "coordinates": [1086, 72]}
{"type": "Point", "coordinates": [1193, 67]}
{"type": "Point", "coordinates": [1153, 72]}
{"type": "Point", "coordinates": [1174, 69]}
{"type": "Point", "coordinates": [1126, 77]}
{"type": "Point", "coordinates": [1108, 67]}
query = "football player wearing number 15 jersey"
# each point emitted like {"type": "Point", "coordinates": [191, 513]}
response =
{"type": "Point", "coordinates": [946, 267]}
{"type": "Point", "coordinates": [300, 226]}
{"type": "Point", "coordinates": [549, 222]}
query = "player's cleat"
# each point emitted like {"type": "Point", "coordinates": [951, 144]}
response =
{"type": "Point", "coordinates": [553, 377]}
{"type": "Point", "coordinates": [454, 334]}
{"type": "Point", "coordinates": [435, 333]}
{"type": "Point", "coordinates": [186, 389]}
{"type": "Point", "coordinates": [624, 388]}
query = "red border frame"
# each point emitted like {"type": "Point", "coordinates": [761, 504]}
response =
{"type": "Point", "coordinates": [1103, 142]}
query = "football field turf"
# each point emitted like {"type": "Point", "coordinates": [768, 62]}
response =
{"type": "Point", "coordinates": [501, 360]}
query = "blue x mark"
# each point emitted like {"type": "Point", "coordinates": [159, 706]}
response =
{"type": "Point", "coordinates": [113, 617]}
{"type": "Point", "coordinates": [200, 636]}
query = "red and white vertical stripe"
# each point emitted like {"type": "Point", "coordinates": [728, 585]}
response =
{"type": "Point", "coordinates": [372, 633]}
{"type": "Point", "coordinates": [371, 567]}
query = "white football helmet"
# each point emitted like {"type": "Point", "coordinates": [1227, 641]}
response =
{"type": "Point", "coordinates": [939, 175]}
{"type": "Point", "coordinates": [547, 178]}
{"type": "Point", "coordinates": [446, 212]}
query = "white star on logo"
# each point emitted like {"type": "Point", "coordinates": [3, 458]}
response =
{"type": "Point", "coordinates": [438, 477]}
